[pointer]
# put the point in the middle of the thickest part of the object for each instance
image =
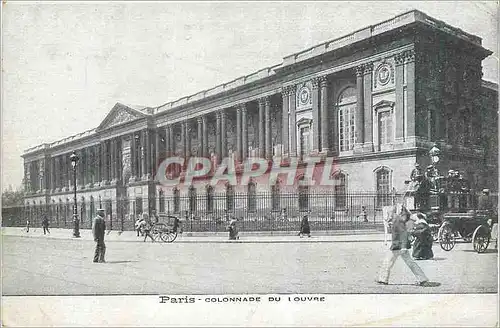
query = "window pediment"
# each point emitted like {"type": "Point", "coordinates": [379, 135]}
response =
{"type": "Point", "coordinates": [304, 121]}
{"type": "Point", "coordinates": [384, 104]}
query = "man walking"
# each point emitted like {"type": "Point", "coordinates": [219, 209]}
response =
{"type": "Point", "coordinates": [400, 247]}
{"type": "Point", "coordinates": [98, 230]}
{"type": "Point", "coordinates": [45, 225]}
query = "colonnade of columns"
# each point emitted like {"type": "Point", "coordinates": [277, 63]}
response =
{"type": "Point", "coordinates": [101, 163]}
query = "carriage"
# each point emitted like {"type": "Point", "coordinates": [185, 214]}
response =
{"type": "Point", "coordinates": [166, 228]}
{"type": "Point", "coordinates": [451, 212]}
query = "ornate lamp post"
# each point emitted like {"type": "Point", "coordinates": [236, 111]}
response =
{"type": "Point", "coordinates": [76, 232]}
{"type": "Point", "coordinates": [434, 154]}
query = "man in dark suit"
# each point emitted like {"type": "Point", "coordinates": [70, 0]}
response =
{"type": "Point", "coordinates": [98, 230]}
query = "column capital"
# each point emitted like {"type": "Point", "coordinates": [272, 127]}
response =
{"type": "Point", "coordinates": [243, 108]}
{"type": "Point", "coordinates": [285, 91]}
{"type": "Point", "coordinates": [368, 68]}
{"type": "Point", "coordinates": [360, 70]}
{"type": "Point", "coordinates": [315, 82]}
{"type": "Point", "coordinates": [409, 56]}
{"type": "Point", "coordinates": [323, 81]}
{"type": "Point", "coordinates": [199, 119]}
{"type": "Point", "coordinates": [264, 100]}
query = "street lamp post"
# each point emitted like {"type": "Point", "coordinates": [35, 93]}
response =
{"type": "Point", "coordinates": [76, 232]}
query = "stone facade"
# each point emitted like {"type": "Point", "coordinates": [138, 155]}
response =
{"type": "Point", "coordinates": [373, 101]}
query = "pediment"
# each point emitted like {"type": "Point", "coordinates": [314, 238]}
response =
{"type": "Point", "coordinates": [384, 104]}
{"type": "Point", "coordinates": [120, 114]}
{"type": "Point", "coordinates": [304, 121]}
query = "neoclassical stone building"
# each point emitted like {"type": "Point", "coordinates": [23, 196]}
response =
{"type": "Point", "coordinates": [374, 101]}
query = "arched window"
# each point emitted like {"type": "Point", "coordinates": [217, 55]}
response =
{"type": "Point", "coordinates": [383, 186]}
{"type": "Point", "coordinates": [161, 200]}
{"type": "Point", "coordinates": [340, 190]}
{"type": "Point", "coordinates": [346, 108]}
{"type": "Point", "coordinates": [303, 195]}
{"type": "Point", "coordinates": [229, 197]}
{"type": "Point", "coordinates": [276, 196]}
{"type": "Point", "coordinates": [210, 198]}
{"type": "Point", "coordinates": [252, 197]}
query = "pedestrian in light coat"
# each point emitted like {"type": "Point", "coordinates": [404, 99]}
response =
{"type": "Point", "coordinates": [98, 230]}
{"type": "Point", "coordinates": [400, 247]}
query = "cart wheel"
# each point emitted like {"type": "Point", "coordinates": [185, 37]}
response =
{"type": "Point", "coordinates": [168, 236]}
{"type": "Point", "coordinates": [435, 233]}
{"type": "Point", "coordinates": [481, 238]}
{"type": "Point", "coordinates": [446, 237]}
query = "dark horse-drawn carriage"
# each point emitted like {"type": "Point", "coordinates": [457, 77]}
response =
{"type": "Point", "coordinates": [451, 209]}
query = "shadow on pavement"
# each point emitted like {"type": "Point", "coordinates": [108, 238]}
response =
{"type": "Point", "coordinates": [116, 262]}
{"type": "Point", "coordinates": [438, 259]}
{"type": "Point", "coordinates": [485, 252]}
{"type": "Point", "coordinates": [427, 284]}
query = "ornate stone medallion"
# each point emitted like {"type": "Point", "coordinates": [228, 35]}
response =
{"type": "Point", "coordinates": [384, 73]}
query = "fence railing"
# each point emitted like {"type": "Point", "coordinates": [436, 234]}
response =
{"type": "Point", "coordinates": [255, 211]}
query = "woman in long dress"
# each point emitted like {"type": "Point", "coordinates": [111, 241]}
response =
{"type": "Point", "coordinates": [422, 246]}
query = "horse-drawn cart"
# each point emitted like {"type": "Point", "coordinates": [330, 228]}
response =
{"type": "Point", "coordinates": [475, 226]}
{"type": "Point", "coordinates": [451, 212]}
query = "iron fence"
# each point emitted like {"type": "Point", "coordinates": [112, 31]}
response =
{"type": "Point", "coordinates": [256, 211]}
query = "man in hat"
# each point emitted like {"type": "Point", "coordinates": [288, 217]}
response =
{"type": "Point", "coordinates": [98, 230]}
{"type": "Point", "coordinates": [400, 246]}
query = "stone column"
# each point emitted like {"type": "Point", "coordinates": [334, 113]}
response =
{"type": "Point", "coordinates": [410, 90]}
{"type": "Point", "coordinates": [167, 141]}
{"type": "Point", "coordinates": [156, 160]}
{"type": "Point", "coordinates": [113, 159]}
{"type": "Point", "coordinates": [188, 139]}
{"type": "Point", "coordinates": [53, 173]}
{"type": "Point", "coordinates": [399, 77]}
{"type": "Point", "coordinates": [325, 144]}
{"type": "Point", "coordinates": [218, 136]}
{"type": "Point", "coordinates": [133, 156]}
{"type": "Point", "coordinates": [368, 103]}
{"type": "Point", "coordinates": [239, 154]}
{"type": "Point", "coordinates": [103, 163]}
{"type": "Point", "coordinates": [199, 134]}
{"type": "Point", "coordinates": [57, 173]}
{"type": "Point", "coordinates": [98, 163]}
{"type": "Point", "coordinates": [183, 139]}
{"type": "Point", "coordinates": [149, 153]}
{"type": "Point", "coordinates": [293, 121]}
{"type": "Point", "coordinates": [267, 118]}
{"type": "Point", "coordinates": [171, 139]}
{"type": "Point", "coordinates": [316, 115]}
{"type": "Point", "coordinates": [262, 147]}
{"type": "Point", "coordinates": [223, 129]}
{"type": "Point", "coordinates": [244, 133]}
{"type": "Point", "coordinates": [41, 174]}
{"type": "Point", "coordinates": [360, 108]}
{"type": "Point", "coordinates": [143, 154]}
{"type": "Point", "coordinates": [117, 159]}
{"type": "Point", "coordinates": [205, 136]}
{"type": "Point", "coordinates": [285, 126]}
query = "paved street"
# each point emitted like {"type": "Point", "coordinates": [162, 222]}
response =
{"type": "Point", "coordinates": [50, 266]}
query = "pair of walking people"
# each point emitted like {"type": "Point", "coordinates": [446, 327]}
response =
{"type": "Point", "coordinates": [400, 247]}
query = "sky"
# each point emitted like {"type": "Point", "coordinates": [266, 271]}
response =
{"type": "Point", "coordinates": [66, 64]}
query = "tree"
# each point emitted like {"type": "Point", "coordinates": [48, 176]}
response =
{"type": "Point", "coordinates": [12, 197]}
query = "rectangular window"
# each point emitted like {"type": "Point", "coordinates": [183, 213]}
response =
{"type": "Point", "coordinates": [383, 188]}
{"type": "Point", "coordinates": [385, 128]}
{"type": "Point", "coordinates": [347, 127]}
{"type": "Point", "coordinates": [304, 141]}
